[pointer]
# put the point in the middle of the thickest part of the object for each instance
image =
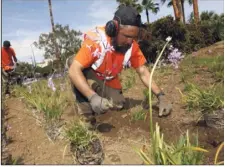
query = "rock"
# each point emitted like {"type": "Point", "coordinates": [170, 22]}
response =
{"type": "Point", "coordinates": [215, 119]}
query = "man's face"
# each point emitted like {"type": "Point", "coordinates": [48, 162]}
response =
{"type": "Point", "coordinates": [6, 47]}
{"type": "Point", "coordinates": [125, 37]}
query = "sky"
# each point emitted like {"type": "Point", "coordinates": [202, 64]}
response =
{"type": "Point", "coordinates": [24, 20]}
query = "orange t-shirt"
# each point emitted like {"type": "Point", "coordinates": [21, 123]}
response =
{"type": "Point", "coordinates": [7, 57]}
{"type": "Point", "coordinates": [112, 63]}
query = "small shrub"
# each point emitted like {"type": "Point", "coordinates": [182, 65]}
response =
{"type": "Point", "coordinates": [160, 30]}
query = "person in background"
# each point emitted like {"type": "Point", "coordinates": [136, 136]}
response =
{"type": "Point", "coordinates": [104, 53]}
{"type": "Point", "coordinates": [9, 61]}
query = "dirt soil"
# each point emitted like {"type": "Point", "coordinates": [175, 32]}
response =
{"type": "Point", "coordinates": [31, 144]}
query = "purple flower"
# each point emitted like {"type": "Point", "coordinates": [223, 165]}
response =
{"type": "Point", "coordinates": [51, 84]}
{"type": "Point", "coordinates": [175, 56]}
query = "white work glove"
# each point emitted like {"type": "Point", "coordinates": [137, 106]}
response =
{"type": "Point", "coordinates": [99, 104]}
{"type": "Point", "coordinates": [165, 106]}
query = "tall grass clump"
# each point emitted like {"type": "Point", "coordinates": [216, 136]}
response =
{"type": "Point", "coordinates": [139, 115]}
{"type": "Point", "coordinates": [205, 100]}
{"type": "Point", "coordinates": [79, 135]}
{"type": "Point", "coordinates": [42, 98]}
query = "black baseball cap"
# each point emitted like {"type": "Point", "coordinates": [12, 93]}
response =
{"type": "Point", "coordinates": [6, 44]}
{"type": "Point", "coordinates": [127, 15]}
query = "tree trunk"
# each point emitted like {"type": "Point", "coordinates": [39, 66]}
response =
{"type": "Point", "coordinates": [146, 10]}
{"type": "Point", "coordinates": [182, 6]}
{"type": "Point", "coordinates": [195, 9]}
{"type": "Point", "coordinates": [179, 5]}
{"type": "Point", "coordinates": [176, 10]}
{"type": "Point", "coordinates": [53, 29]}
{"type": "Point", "coordinates": [51, 15]}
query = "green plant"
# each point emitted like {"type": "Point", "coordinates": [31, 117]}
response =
{"type": "Point", "coordinates": [79, 135]}
{"type": "Point", "coordinates": [213, 65]}
{"type": "Point", "coordinates": [216, 67]}
{"type": "Point", "coordinates": [50, 103]}
{"type": "Point", "coordinates": [204, 100]}
{"type": "Point", "coordinates": [139, 115]}
{"type": "Point", "coordinates": [182, 153]}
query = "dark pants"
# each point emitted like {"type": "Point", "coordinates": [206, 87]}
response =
{"type": "Point", "coordinates": [6, 79]}
{"type": "Point", "coordinates": [115, 95]}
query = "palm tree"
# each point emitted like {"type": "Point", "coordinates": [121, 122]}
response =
{"type": "Point", "coordinates": [207, 15]}
{"type": "Point", "coordinates": [195, 9]}
{"type": "Point", "coordinates": [176, 7]}
{"type": "Point", "coordinates": [182, 6]}
{"type": "Point", "coordinates": [133, 3]}
{"type": "Point", "coordinates": [149, 5]}
{"type": "Point", "coordinates": [190, 2]}
{"type": "Point", "coordinates": [53, 29]}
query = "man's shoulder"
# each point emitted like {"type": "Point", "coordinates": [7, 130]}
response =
{"type": "Point", "coordinates": [11, 49]}
{"type": "Point", "coordinates": [94, 36]}
{"type": "Point", "coordinates": [96, 28]}
{"type": "Point", "coordinates": [95, 33]}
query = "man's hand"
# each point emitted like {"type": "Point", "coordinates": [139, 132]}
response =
{"type": "Point", "coordinates": [165, 106]}
{"type": "Point", "coordinates": [98, 104]}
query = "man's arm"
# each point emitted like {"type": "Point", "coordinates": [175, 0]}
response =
{"type": "Point", "coordinates": [15, 59]}
{"type": "Point", "coordinates": [144, 75]}
{"type": "Point", "coordinates": [98, 104]}
{"type": "Point", "coordinates": [78, 79]}
{"type": "Point", "coordinates": [14, 55]}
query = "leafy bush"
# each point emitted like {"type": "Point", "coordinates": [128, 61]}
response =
{"type": "Point", "coordinates": [214, 21]}
{"type": "Point", "coordinates": [195, 38]}
{"type": "Point", "coordinates": [167, 26]}
{"type": "Point", "coordinates": [186, 38]}
{"type": "Point", "coordinates": [160, 30]}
